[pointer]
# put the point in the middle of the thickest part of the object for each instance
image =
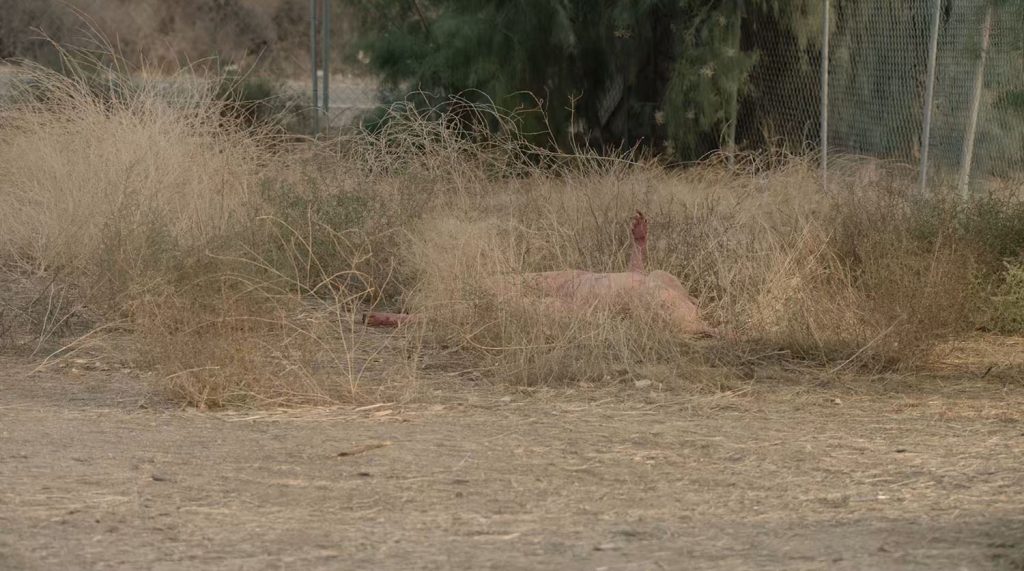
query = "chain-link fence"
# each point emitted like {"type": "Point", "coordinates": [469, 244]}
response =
{"type": "Point", "coordinates": [780, 107]}
{"type": "Point", "coordinates": [884, 55]}
{"type": "Point", "coordinates": [879, 70]}
{"type": "Point", "coordinates": [980, 79]}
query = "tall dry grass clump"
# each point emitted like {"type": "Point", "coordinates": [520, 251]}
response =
{"type": "Point", "coordinates": [870, 277]}
{"type": "Point", "coordinates": [240, 262]}
{"type": "Point", "coordinates": [157, 209]}
{"type": "Point", "coordinates": [108, 181]}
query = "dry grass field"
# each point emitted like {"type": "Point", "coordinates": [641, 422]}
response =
{"type": "Point", "coordinates": [185, 381]}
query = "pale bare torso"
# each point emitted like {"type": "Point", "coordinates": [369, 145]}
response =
{"type": "Point", "coordinates": [578, 291]}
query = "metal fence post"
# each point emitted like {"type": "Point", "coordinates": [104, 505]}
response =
{"type": "Point", "coordinates": [824, 95]}
{"type": "Point", "coordinates": [933, 49]}
{"type": "Point", "coordinates": [326, 46]}
{"type": "Point", "coordinates": [313, 64]}
{"type": "Point", "coordinates": [979, 87]}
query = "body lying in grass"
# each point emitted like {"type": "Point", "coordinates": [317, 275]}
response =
{"type": "Point", "coordinates": [580, 291]}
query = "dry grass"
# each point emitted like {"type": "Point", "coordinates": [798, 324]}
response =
{"type": "Point", "coordinates": [467, 297]}
{"type": "Point", "coordinates": [240, 262]}
{"type": "Point", "coordinates": [273, 34]}
{"type": "Point", "coordinates": [104, 186]}
{"type": "Point", "coordinates": [153, 208]}
{"type": "Point", "coordinates": [772, 261]}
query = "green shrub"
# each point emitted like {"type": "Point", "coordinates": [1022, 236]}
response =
{"type": "Point", "coordinates": [1008, 303]}
{"type": "Point", "coordinates": [260, 102]}
{"type": "Point", "coordinates": [994, 224]}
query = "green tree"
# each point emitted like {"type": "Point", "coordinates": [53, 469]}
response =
{"type": "Point", "coordinates": [610, 72]}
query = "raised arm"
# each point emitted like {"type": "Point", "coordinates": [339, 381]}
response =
{"type": "Point", "coordinates": [637, 259]}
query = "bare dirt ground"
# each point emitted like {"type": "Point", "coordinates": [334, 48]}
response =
{"type": "Point", "coordinates": [96, 472]}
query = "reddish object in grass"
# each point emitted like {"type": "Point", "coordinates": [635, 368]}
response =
{"type": "Point", "coordinates": [580, 290]}
{"type": "Point", "coordinates": [383, 319]}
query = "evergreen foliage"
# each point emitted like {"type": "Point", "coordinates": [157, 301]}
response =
{"type": "Point", "coordinates": [609, 72]}
{"type": "Point", "coordinates": [674, 74]}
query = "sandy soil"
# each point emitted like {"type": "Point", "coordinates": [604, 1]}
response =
{"type": "Point", "coordinates": [98, 473]}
